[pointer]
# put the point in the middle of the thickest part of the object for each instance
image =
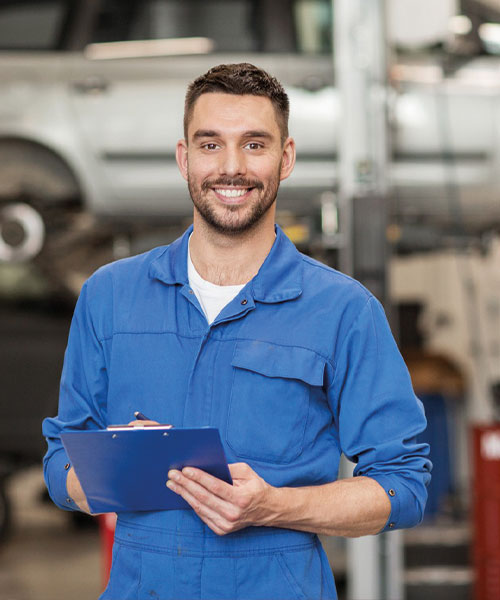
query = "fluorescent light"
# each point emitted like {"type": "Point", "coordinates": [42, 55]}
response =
{"type": "Point", "coordinates": [460, 25]}
{"type": "Point", "coordinates": [490, 36]}
{"type": "Point", "coordinates": [149, 48]}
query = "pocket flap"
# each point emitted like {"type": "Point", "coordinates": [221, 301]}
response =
{"type": "Point", "coordinates": [290, 362]}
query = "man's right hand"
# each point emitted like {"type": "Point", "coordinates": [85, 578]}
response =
{"type": "Point", "coordinates": [75, 491]}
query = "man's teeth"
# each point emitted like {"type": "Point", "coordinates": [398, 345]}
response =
{"type": "Point", "coordinates": [231, 193]}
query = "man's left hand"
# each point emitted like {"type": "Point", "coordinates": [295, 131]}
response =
{"type": "Point", "coordinates": [223, 507]}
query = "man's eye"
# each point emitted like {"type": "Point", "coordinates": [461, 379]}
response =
{"type": "Point", "coordinates": [253, 146]}
{"type": "Point", "coordinates": [210, 146]}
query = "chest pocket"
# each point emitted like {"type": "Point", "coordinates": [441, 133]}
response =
{"type": "Point", "coordinates": [269, 401]}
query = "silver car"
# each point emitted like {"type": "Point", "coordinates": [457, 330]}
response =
{"type": "Point", "coordinates": [91, 102]}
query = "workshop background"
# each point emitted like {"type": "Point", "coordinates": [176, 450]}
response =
{"type": "Point", "coordinates": [395, 108]}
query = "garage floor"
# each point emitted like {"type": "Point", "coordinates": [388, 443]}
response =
{"type": "Point", "coordinates": [46, 557]}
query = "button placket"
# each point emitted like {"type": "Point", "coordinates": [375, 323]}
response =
{"type": "Point", "coordinates": [189, 405]}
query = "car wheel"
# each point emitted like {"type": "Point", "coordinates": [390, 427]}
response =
{"type": "Point", "coordinates": [22, 232]}
{"type": "Point", "coordinates": [64, 243]}
{"type": "Point", "coordinates": [43, 221]}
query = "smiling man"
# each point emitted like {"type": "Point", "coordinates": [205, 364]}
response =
{"type": "Point", "coordinates": [233, 173]}
{"type": "Point", "coordinates": [231, 327]}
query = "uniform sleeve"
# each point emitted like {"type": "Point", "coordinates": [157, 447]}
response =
{"type": "Point", "coordinates": [82, 398]}
{"type": "Point", "coordinates": [379, 416]}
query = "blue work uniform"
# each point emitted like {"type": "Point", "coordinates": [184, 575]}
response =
{"type": "Point", "coordinates": [299, 367]}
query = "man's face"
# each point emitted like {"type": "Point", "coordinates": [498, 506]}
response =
{"type": "Point", "coordinates": [234, 161]}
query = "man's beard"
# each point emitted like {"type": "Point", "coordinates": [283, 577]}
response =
{"type": "Point", "coordinates": [225, 219]}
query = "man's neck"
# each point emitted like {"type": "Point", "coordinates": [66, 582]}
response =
{"type": "Point", "coordinates": [229, 259]}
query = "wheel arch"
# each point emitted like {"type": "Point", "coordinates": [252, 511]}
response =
{"type": "Point", "coordinates": [28, 167]}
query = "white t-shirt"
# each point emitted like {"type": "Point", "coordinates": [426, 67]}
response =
{"type": "Point", "coordinates": [212, 297]}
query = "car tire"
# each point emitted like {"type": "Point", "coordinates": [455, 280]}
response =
{"type": "Point", "coordinates": [42, 219]}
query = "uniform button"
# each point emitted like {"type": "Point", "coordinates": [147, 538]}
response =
{"type": "Point", "coordinates": [392, 493]}
{"type": "Point", "coordinates": [68, 500]}
{"type": "Point", "coordinates": [391, 525]}
{"type": "Point", "coordinates": [244, 301]}
{"type": "Point", "coordinates": [191, 292]}
{"type": "Point", "coordinates": [66, 466]}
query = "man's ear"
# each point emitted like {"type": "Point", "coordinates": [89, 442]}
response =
{"type": "Point", "coordinates": [181, 156]}
{"type": "Point", "coordinates": [288, 158]}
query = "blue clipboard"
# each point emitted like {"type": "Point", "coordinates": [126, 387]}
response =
{"type": "Point", "coordinates": [126, 469]}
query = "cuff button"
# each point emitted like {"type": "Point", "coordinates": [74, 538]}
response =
{"type": "Point", "coordinates": [391, 525]}
{"type": "Point", "coordinates": [67, 466]}
{"type": "Point", "coordinates": [392, 492]}
{"type": "Point", "coordinates": [68, 500]}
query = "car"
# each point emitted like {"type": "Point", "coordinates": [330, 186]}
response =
{"type": "Point", "coordinates": [91, 103]}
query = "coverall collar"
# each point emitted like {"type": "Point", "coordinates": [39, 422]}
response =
{"type": "Point", "coordinates": [278, 279]}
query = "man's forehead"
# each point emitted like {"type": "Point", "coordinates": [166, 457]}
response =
{"type": "Point", "coordinates": [214, 111]}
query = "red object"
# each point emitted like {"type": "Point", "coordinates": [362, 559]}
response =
{"type": "Point", "coordinates": [486, 442]}
{"type": "Point", "coordinates": [107, 524]}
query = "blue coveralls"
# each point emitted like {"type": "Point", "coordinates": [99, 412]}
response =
{"type": "Point", "coordinates": [299, 367]}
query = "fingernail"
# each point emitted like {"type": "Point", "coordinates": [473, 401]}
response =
{"type": "Point", "coordinates": [187, 472]}
{"type": "Point", "coordinates": [170, 484]}
{"type": "Point", "coordinates": [173, 475]}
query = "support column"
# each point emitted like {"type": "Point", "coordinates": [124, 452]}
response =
{"type": "Point", "coordinates": [374, 563]}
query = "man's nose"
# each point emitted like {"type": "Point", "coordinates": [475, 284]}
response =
{"type": "Point", "coordinates": [232, 162]}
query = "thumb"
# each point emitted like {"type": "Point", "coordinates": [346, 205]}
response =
{"type": "Point", "coordinates": [240, 470]}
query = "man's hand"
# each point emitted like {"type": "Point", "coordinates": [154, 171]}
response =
{"type": "Point", "coordinates": [350, 507]}
{"type": "Point", "coordinates": [75, 491]}
{"type": "Point", "coordinates": [73, 485]}
{"type": "Point", "coordinates": [142, 423]}
{"type": "Point", "coordinates": [223, 507]}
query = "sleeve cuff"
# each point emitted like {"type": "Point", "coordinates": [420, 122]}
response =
{"type": "Point", "coordinates": [56, 484]}
{"type": "Point", "coordinates": [396, 494]}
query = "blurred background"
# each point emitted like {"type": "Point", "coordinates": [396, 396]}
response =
{"type": "Point", "coordinates": [395, 108]}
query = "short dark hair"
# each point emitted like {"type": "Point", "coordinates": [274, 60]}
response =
{"type": "Point", "coordinates": [239, 79]}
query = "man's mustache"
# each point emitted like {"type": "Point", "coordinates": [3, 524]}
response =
{"type": "Point", "coordinates": [230, 181]}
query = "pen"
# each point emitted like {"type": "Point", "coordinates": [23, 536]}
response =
{"type": "Point", "coordinates": [140, 417]}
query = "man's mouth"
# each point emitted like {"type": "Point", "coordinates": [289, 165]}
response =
{"type": "Point", "coordinates": [231, 192]}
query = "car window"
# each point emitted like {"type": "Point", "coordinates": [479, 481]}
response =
{"type": "Point", "coordinates": [233, 25]}
{"type": "Point", "coordinates": [31, 25]}
{"type": "Point", "coordinates": [228, 22]}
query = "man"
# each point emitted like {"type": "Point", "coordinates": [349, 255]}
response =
{"type": "Point", "coordinates": [231, 327]}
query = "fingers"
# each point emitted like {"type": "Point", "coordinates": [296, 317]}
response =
{"type": "Point", "coordinates": [138, 423]}
{"type": "Point", "coordinates": [209, 482]}
{"type": "Point", "coordinates": [220, 515]}
{"type": "Point", "coordinates": [204, 487]}
{"type": "Point", "coordinates": [212, 518]}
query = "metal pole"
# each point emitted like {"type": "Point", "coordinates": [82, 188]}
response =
{"type": "Point", "coordinates": [374, 563]}
{"type": "Point", "coordinates": [360, 74]}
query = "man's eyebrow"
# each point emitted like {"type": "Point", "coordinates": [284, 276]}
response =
{"type": "Point", "coordinates": [211, 133]}
{"type": "Point", "coordinates": [258, 134]}
{"type": "Point", "coordinates": [203, 133]}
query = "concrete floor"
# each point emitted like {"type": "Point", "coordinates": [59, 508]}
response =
{"type": "Point", "coordinates": [45, 557]}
